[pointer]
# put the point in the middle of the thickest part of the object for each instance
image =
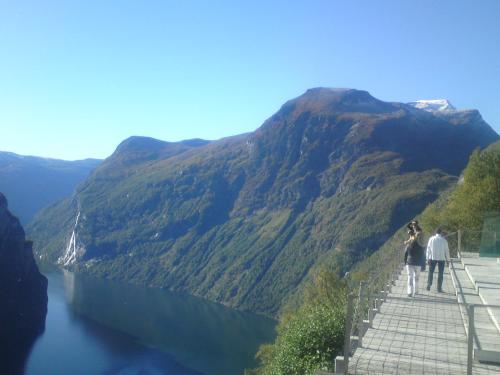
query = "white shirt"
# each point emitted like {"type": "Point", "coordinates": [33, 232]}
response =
{"type": "Point", "coordinates": [437, 248]}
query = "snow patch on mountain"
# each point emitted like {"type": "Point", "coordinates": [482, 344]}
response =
{"type": "Point", "coordinates": [433, 105]}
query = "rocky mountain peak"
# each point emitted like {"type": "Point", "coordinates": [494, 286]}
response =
{"type": "Point", "coordinates": [323, 100]}
{"type": "Point", "coordinates": [337, 92]}
{"type": "Point", "coordinates": [138, 143]}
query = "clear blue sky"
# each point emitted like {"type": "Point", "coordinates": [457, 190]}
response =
{"type": "Point", "coordinates": [78, 77]}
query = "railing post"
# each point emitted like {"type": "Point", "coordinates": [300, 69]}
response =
{"type": "Point", "coordinates": [347, 333]}
{"type": "Point", "coordinates": [383, 294]}
{"type": "Point", "coordinates": [371, 310]}
{"type": "Point", "coordinates": [361, 327]}
{"type": "Point", "coordinates": [459, 243]}
{"type": "Point", "coordinates": [470, 339]}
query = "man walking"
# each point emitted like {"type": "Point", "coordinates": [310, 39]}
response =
{"type": "Point", "coordinates": [437, 253]}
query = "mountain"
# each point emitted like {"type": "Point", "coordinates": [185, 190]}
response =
{"type": "Point", "coordinates": [31, 183]}
{"type": "Point", "coordinates": [242, 220]}
{"type": "Point", "coordinates": [23, 294]}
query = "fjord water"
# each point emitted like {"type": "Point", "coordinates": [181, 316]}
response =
{"type": "Point", "coordinates": [97, 326]}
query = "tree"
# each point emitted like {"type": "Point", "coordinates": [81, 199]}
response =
{"type": "Point", "coordinates": [477, 194]}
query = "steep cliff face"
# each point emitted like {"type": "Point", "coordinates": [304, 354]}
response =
{"type": "Point", "coordinates": [23, 294]}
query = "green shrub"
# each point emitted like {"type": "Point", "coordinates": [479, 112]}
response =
{"type": "Point", "coordinates": [310, 337]}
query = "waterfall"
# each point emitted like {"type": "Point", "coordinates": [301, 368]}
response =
{"type": "Point", "coordinates": [72, 250]}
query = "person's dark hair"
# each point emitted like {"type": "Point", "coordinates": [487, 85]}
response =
{"type": "Point", "coordinates": [413, 225]}
{"type": "Point", "coordinates": [439, 230]}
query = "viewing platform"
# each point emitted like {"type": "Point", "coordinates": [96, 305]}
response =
{"type": "Point", "coordinates": [428, 333]}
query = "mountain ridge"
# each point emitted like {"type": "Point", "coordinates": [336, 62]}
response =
{"type": "Point", "coordinates": [52, 179]}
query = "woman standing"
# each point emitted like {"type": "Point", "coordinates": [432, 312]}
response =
{"type": "Point", "coordinates": [413, 259]}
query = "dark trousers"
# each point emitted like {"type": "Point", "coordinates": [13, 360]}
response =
{"type": "Point", "coordinates": [432, 267]}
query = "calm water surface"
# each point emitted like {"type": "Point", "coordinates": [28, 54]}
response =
{"type": "Point", "coordinates": [97, 326]}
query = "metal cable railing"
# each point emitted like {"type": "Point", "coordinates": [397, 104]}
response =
{"type": "Point", "coordinates": [365, 298]}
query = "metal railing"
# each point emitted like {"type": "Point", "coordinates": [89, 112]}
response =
{"type": "Point", "coordinates": [472, 336]}
{"type": "Point", "coordinates": [483, 242]}
{"type": "Point", "coordinates": [470, 310]}
{"type": "Point", "coordinates": [365, 299]}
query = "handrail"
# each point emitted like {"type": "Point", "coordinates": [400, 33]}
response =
{"type": "Point", "coordinates": [479, 305]}
{"type": "Point", "coordinates": [471, 240]}
{"type": "Point", "coordinates": [471, 333]}
{"type": "Point", "coordinates": [470, 329]}
{"type": "Point", "coordinates": [470, 339]}
{"type": "Point", "coordinates": [371, 293]}
{"type": "Point", "coordinates": [347, 334]}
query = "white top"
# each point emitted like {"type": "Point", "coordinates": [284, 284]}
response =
{"type": "Point", "coordinates": [437, 248]}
